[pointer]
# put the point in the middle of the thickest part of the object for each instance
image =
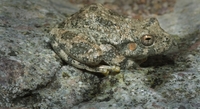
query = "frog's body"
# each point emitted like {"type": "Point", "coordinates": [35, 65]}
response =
{"type": "Point", "coordinates": [98, 40]}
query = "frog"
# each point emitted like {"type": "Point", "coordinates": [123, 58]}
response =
{"type": "Point", "coordinates": [99, 40]}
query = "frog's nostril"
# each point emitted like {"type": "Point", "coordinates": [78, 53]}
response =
{"type": "Point", "coordinates": [147, 40]}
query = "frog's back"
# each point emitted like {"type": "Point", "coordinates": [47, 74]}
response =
{"type": "Point", "coordinates": [93, 15]}
{"type": "Point", "coordinates": [101, 23]}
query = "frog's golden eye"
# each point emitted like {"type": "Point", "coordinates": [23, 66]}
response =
{"type": "Point", "coordinates": [147, 40]}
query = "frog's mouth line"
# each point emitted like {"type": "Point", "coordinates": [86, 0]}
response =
{"type": "Point", "coordinates": [172, 49]}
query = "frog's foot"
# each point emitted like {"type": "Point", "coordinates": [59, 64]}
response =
{"type": "Point", "coordinates": [106, 70]}
{"type": "Point", "coordinates": [103, 69]}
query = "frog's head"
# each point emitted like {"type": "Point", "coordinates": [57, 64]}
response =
{"type": "Point", "coordinates": [153, 38]}
{"type": "Point", "coordinates": [150, 39]}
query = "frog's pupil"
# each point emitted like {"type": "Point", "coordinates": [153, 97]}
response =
{"type": "Point", "coordinates": [148, 38]}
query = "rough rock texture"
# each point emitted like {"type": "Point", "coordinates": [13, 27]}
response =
{"type": "Point", "coordinates": [32, 75]}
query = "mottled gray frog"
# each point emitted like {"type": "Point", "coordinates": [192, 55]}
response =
{"type": "Point", "coordinates": [98, 40]}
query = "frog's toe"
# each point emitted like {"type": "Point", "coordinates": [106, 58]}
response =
{"type": "Point", "coordinates": [105, 70]}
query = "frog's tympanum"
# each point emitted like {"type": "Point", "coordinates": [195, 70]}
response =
{"type": "Point", "coordinates": [98, 40]}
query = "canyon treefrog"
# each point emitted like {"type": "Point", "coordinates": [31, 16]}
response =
{"type": "Point", "coordinates": [98, 40]}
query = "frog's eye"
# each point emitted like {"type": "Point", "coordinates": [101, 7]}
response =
{"type": "Point", "coordinates": [147, 40]}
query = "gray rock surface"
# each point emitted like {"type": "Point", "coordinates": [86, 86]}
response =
{"type": "Point", "coordinates": [184, 19]}
{"type": "Point", "coordinates": [33, 76]}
